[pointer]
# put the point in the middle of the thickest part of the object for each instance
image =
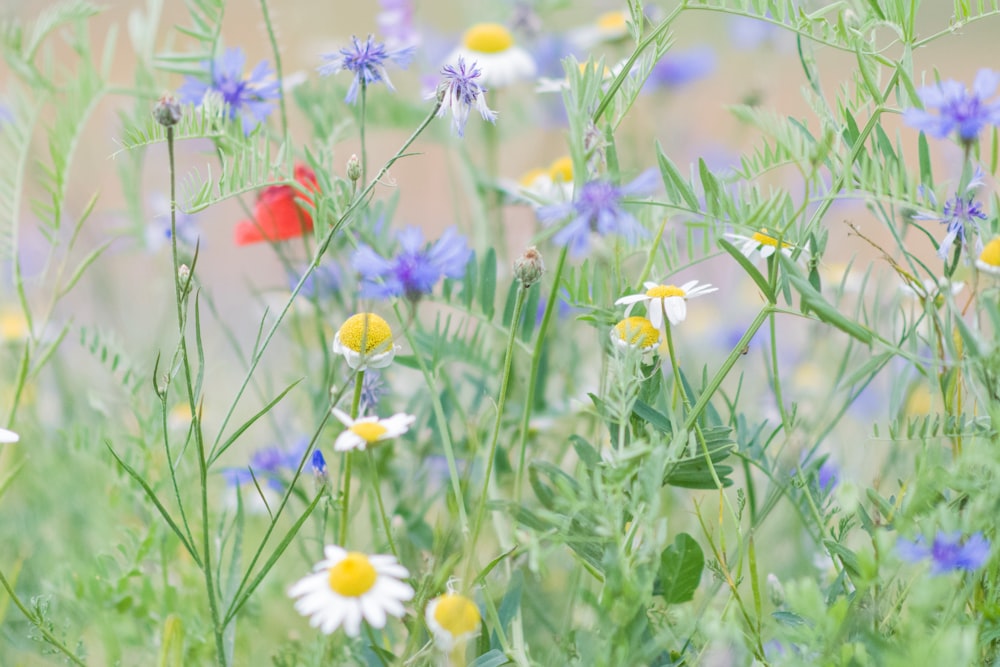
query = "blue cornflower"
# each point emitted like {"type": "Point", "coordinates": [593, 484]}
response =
{"type": "Point", "coordinates": [252, 97]}
{"type": "Point", "coordinates": [948, 553]}
{"type": "Point", "coordinates": [395, 21]}
{"type": "Point", "coordinates": [597, 207]}
{"type": "Point", "coordinates": [959, 109]}
{"type": "Point", "coordinates": [678, 68]}
{"type": "Point", "coordinates": [415, 270]}
{"type": "Point", "coordinates": [459, 92]}
{"type": "Point", "coordinates": [961, 214]}
{"type": "Point", "coordinates": [367, 61]}
{"type": "Point", "coordinates": [268, 465]}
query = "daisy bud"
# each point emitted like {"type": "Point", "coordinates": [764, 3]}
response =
{"type": "Point", "coordinates": [167, 111]}
{"type": "Point", "coordinates": [528, 268]}
{"type": "Point", "coordinates": [353, 168]}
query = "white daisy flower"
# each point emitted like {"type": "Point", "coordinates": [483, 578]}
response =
{"type": "Point", "coordinates": [453, 619]}
{"type": "Point", "coordinates": [989, 258]}
{"type": "Point", "coordinates": [554, 183]}
{"type": "Point", "coordinates": [367, 331]}
{"type": "Point", "coordinates": [348, 587]}
{"type": "Point", "coordinates": [761, 242]}
{"type": "Point", "coordinates": [666, 300]}
{"type": "Point", "coordinates": [492, 48]}
{"type": "Point", "coordinates": [7, 437]}
{"type": "Point", "coordinates": [365, 431]}
{"type": "Point", "coordinates": [635, 332]}
{"type": "Point", "coordinates": [550, 85]}
{"type": "Point", "coordinates": [932, 288]}
{"type": "Point", "coordinates": [609, 27]}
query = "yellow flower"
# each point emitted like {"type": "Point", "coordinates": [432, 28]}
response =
{"type": "Point", "coordinates": [365, 431]}
{"type": "Point", "coordinates": [761, 242]}
{"type": "Point", "coordinates": [492, 48]}
{"type": "Point", "coordinates": [453, 619]}
{"type": "Point", "coordinates": [635, 332]}
{"type": "Point", "coordinates": [989, 258]}
{"type": "Point", "coordinates": [365, 340]}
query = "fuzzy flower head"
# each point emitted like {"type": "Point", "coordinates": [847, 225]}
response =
{"type": "Point", "coordinates": [369, 431]}
{"type": "Point", "coordinates": [597, 208]}
{"type": "Point", "coordinates": [453, 619]}
{"type": "Point", "coordinates": [635, 332]}
{"type": "Point", "coordinates": [460, 92]}
{"type": "Point", "coordinates": [7, 437]}
{"type": "Point", "coordinates": [959, 110]}
{"type": "Point", "coordinates": [761, 243]}
{"type": "Point", "coordinates": [415, 269]}
{"type": "Point", "coordinates": [492, 47]}
{"type": "Point", "coordinates": [666, 301]}
{"type": "Point", "coordinates": [367, 61]}
{"type": "Point", "coordinates": [365, 340]}
{"type": "Point", "coordinates": [948, 552]}
{"type": "Point", "coordinates": [348, 587]}
{"type": "Point", "coordinates": [252, 98]}
{"type": "Point", "coordinates": [989, 258]}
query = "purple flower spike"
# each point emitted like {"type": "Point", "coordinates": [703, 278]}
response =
{"type": "Point", "coordinates": [253, 97]}
{"type": "Point", "coordinates": [960, 110]}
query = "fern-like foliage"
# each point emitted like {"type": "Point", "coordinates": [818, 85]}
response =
{"type": "Point", "coordinates": [249, 168]}
{"type": "Point", "coordinates": [206, 18]}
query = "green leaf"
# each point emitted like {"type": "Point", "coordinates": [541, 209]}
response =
{"type": "Point", "coordinates": [750, 269]}
{"type": "Point", "coordinates": [528, 314]}
{"type": "Point", "coordinates": [813, 301]}
{"type": "Point", "coordinates": [681, 565]}
{"type": "Point", "coordinates": [494, 658]}
{"type": "Point", "coordinates": [926, 176]}
{"type": "Point", "coordinates": [846, 556]}
{"type": "Point", "coordinates": [652, 416]}
{"type": "Point", "coordinates": [488, 283]}
{"type": "Point", "coordinates": [677, 187]}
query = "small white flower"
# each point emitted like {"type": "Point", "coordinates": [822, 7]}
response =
{"type": "Point", "coordinates": [453, 619]}
{"type": "Point", "coordinates": [348, 587]}
{"type": "Point", "coordinates": [360, 433]}
{"type": "Point", "coordinates": [989, 258]}
{"type": "Point", "coordinates": [609, 27]}
{"type": "Point", "coordinates": [760, 242]}
{"type": "Point", "coordinates": [7, 437]}
{"type": "Point", "coordinates": [371, 332]}
{"type": "Point", "coordinates": [666, 300]}
{"type": "Point", "coordinates": [492, 48]}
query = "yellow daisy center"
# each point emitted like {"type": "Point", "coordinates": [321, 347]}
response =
{"type": "Point", "coordinates": [665, 291]}
{"type": "Point", "coordinates": [763, 238]}
{"type": "Point", "coordinates": [352, 577]}
{"type": "Point", "coordinates": [612, 22]}
{"type": "Point", "coordinates": [13, 326]}
{"type": "Point", "coordinates": [991, 253]}
{"type": "Point", "coordinates": [562, 170]}
{"type": "Point", "coordinates": [638, 331]}
{"type": "Point", "coordinates": [457, 614]}
{"type": "Point", "coordinates": [488, 38]}
{"type": "Point", "coordinates": [530, 177]}
{"type": "Point", "coordinates": [368, 327]}
{"type": "Point", "coordinates": [369, 431]}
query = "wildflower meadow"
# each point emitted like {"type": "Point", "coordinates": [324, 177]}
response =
{"type": "Point", "coordinates": [538, 332]}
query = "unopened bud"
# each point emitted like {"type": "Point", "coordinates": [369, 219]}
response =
{"type": "Point", "coordinates": [320, 474]}
{"type": "Point", "coordinates": [775, 591]}
{"type": "Point", "coordinates": [183, 272]}
{"type": "Point", "coordinates": [167, 111]}
{"type": "Point", "coordinates": [528, 268]}
{"type": "Point", "coordinates": [353, 168]}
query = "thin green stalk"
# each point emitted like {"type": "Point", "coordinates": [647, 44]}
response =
{"type": "Point", "coordinates": [536, 361]}
{"type": "Point", "coordinates": [345, 488]}
{"type": "Point", "coordinates": [361, 131]}
{"type": "Point", "coordinates": [320, 251]}
{"type": "Point", "coordinates": [39, 625]}
{"type": "Point", "coordinates": [491, 453]}
{"type": "Point", "coordinates": [377, 485]}
{"type": "Point", "coordinates": [277, 67]}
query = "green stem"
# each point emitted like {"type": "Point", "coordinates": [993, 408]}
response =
{"type": "Point", "coordinates": [386, 525]}
{"type": "Point", "coordinates": [536, 361]}
{"type": "Point", "coordinates": [277, 67]}
{"type": "Point", "coordinates": [345, 488]}
{"type": "Point", "coordinates": [361, 128]}
{"type": "Point", "coordinates": [39, 625]}
{"type": "Point", "coordinates": [491, 454]}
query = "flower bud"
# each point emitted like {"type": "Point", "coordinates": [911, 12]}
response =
{"type": "Point", "coordinates": [528, 268]}
{"type": "Point", "coordinates": [167, 111]}
{"type": "Point", "coordinates": [353, 168]}
{"type": "Point", "coordinates": [775, 591]}
{"type": "Point", "coordinates": [183, 272]}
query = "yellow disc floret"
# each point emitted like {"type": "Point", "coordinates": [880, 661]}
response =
{"type": "Point", "coordinates": [991, 253]}
{"type": "Point", "coordinates": [487, 38]}
{"type": "Point", "coordinates": [612, 22]}
{"type": "Point", "coordinates": [665, 291]}
{"type": "Point", "coordinates": [457, 614]}
{"type": "Point", "coordinates": [763, 237]}
{"type": "Point", "coordinates": [638, 331]}
{"type": "Point", "coordinates": [529, 177]}
{"type": "Point", "coordinates": [367, 327]}
{"type": "Point", "coordinates": [353, 576]}
{"type": "Point", "coordinates": [561, 171]}
{"type": "Point", "coordinates": [369, 431]}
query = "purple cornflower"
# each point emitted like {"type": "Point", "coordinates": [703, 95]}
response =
{"type": "Point", "coordinates": [961, 214]}
{"type": "Point", "coordinates": [367, 61]}
{"type": "Point", "coordinates": [959, 109]}
{"type": "Point", "coordinates": [415, 270]}
{"type": "Point", "coordinates": [252, 97]}
{"type": "Point", "coordinates": [395, 21]}
{"type": "Point", "coordinates": [678, 68]}
{"type": "Point", "coordinates": [459, 92]}
{"type": "Point", "coordinates": [597, 207]}
{"type": "Point", "coordinates": [948, 553]}
{"type": "Point", "coordinates": [267, 465]}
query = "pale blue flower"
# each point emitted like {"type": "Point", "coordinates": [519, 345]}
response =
{"type": "Point", "coordinates": [415, 269]}
{"type": "Point", "coordinates": [966, 112]}
{"type": "Point", "coordinates": [252, 98]}
{"type": "Point", "coordinates": [367, 61]}
{"type": "Point", "coordinates": [677, 68]}
{"type": "Point", "coordinates": [948, 552]}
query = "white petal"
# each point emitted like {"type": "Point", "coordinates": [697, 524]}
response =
{"type": "Point", "coordinates": [352, 619]}
{"type": "Point", "coordinates": [631, 298]}
{"type": "Point", "coordinates": [7, 437]}
{"type": "Point", "coordinates": [371, 609]}
{"type": "Point", "coordinates": [767, 250]}
{"type": "Point", "coordinates": [676, 308]}
{"type": "Point", "coordinates": [347, 441]}
{"type": "Point", "coordinates": [344, 418]}
{"type": "Point", "coordinates": [654, 311]}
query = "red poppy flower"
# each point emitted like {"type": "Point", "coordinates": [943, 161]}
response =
{"type": "Point", "coordinates": [280, 212]}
